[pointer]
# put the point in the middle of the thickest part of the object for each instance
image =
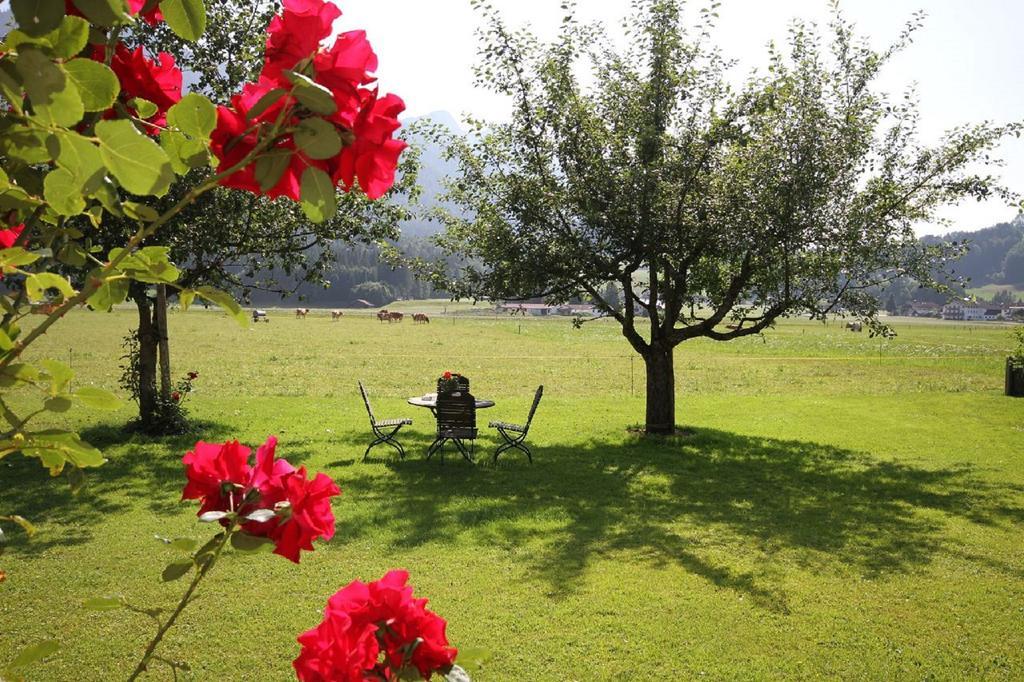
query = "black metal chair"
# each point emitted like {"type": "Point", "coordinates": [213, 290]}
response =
{"type": "Point", "coordinates": [515, 434]}
{"type": "Point", "coordinates": [380, 428]}
{"type": "Point", "coordinates": [456, 422]}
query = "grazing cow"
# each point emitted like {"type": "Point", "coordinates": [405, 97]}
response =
{"type": "Point", "coordinates": [395, 317]}
{"type": "Point", "coordinates": [336, 314]}
{"type": "Point", "coordinates": [258, 315]}
{"type": "Point", "coordinates": [301, 312]}
{"type": "Point", "coordinates": [420, 317]}
{"type": "Point", "coordinates": [383, 316]}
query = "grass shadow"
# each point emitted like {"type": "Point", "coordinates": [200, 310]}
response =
{"type": "Point", "coordinates": [685, 501]}
{"type": "Point", "coordinates": [140, 470]}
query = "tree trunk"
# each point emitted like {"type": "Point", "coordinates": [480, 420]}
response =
{"type": "Point", "coordinates": [147, 356]}
{"type": "Point", "coordinates": [661, 390]}
{"type": "Point", "coordinates": [160, 323]}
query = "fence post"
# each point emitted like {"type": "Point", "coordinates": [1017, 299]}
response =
{"type": "Point", "coordinates": [631, 382]}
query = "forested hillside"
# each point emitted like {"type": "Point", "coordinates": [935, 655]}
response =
{"type": "Point", "coordinates": [995, 256]}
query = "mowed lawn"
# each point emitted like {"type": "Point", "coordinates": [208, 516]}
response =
{"type": "Point", "coordinates": [843, 507]}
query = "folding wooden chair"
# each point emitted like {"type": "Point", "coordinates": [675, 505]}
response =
{"type": "Point", "coordinates": [380, 428]}
{"type": "Point", "coordinates": [515, 434]}
{"type": "Point", "coordinates": [456, 422]}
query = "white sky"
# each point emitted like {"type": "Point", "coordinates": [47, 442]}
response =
{"type": "Point", "coordinates": [968, 60]}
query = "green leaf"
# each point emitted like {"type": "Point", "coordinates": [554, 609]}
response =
{"type": "Point", "coordinates": [177, 569]}
{"type": "Point", "coordinates": [134, 209]}
{"type": "Point", "coordinates": [103, 12]}
{"type": "Point", "coordinates": [194, 115]}
{"type": "Point", "coordinates": [16, 256]}
{"type": "Point", "coordinates": [319, 195]}
{"type": "Point", "coordinates": [58, 404]}
{"type": "Point", "coordinates": [311, 95]}
{"type": "Point", "coordinates": [149, 264]}
{"type": "Point", "coordinates": [102, 604]}
{"type": "Point", "coordinates": [243, 542]}
{"type": "Point", "coordinates": [82, 159]}
{"type": "Point", "coordinates": [18, 372]}
{"type": "Point", "coordinates": [97, 398]}
{"type": "Point", "coordinates": [108, 196]}
{"type": "Point", "coordinates": [10, 85]}
{"type": "Point", "coordinates": [65, 41]}
{"type": "Point", "coordinates": [97, 84]}
{"type": "Point", "coordinates": [110, 293]}
{"type": "Point", "coordinates": [34, 652]}
{"type": "Point", "coordinates": [143, 107]}
{"type": "Point", "coordinates": [70, 39]}
{"type": "Point", "coordinates": [225, 301]}
{"type": "Point", "coordinates": [263, 103]}
{"type": "Point", "coordinates": [137, 162]}
{"type": "Point", "coordinates": [185, 298]}
{"type": "Point", "coordinates": [55, 97]}
{"type": "Point", "coordinates": [318, 138]}
{"type": "Point", "coordinates": [37, 284]}
{"type": "Point", "coordinates": [473, 659]}
{"type": "Point", "coordinates": [63, 192]}
{"type": "Point", "coordinates": [187, 18]}
{"type": "Point", "coordinates": [60, 375]}
{"type": "Point", "coordinates": [183, 544]}
{"type": "Point", "coordinates": [72, 254]}
{"type": "Point", "coordinates": [29, 529]}
{"type": "Point", "coordinates": [183, 152]}
{"type": "Point", "coordinates": [25, 144]}
{"type": "Point", "coordinates": [37, 17]}
{"type": "Point", "coordinates": [271, 166]}
{"type": "Point", "coordinates": [5, 341]}
{"type": "Point", "coordinates": [56, 448]}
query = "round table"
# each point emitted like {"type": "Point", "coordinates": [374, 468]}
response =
{"type": "Point", "coordinates": [430, 400]}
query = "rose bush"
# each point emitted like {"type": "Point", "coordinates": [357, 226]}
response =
{"type": "Point", "coordinates": [91, 128]}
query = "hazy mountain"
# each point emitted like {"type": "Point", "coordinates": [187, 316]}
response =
{"type": "Point", "coordinates": [434, 168]}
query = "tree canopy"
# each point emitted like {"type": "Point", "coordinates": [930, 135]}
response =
{"type": "Point", "coordinates": [717, 208]}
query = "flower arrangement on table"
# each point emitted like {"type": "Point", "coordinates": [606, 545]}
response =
{"type": "Point", "coordinates": [450, 382]}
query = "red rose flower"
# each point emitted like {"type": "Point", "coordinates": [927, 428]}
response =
{"type": "Point", "coordinates": [269, 473]}
{"type": "Point", "coordinates": [9, 236]}
{"type": "Point", "coordinates": [343, 69]}
{"type": "Point", "coordinates": [447, 375]}
{"type": "Point", "coordinates": [157, 81]}
{"type": "Point", "coordinates": [296, 34]}
{"type": "Point", "coordinates": [362, 621]}
{"type": "Point", "coordinates": [152, 17]}
{"type": "Point", "coordinates": [365, 123]}
{"type": "Point", "coordinates": [234, 138]}
{"type": "Point", "coordinates": [193, 376]}
{"type": "Point", "coordinates": [175, 396]}
{"type": "Point", "coordinates": [308, 516]}
{"type": "Point", "coordinates": [220, 476]}
{"type": "Point", "coordinates": [373, 157]}
{"type": "Point", "coordinates": [217, 474]}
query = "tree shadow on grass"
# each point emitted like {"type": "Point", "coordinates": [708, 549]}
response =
{"type": "Point", "coordinates": [140, 470]}
{"type": "Point", "coordinates": [690, 501]}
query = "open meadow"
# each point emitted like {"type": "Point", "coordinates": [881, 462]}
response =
{"type": "Point", "coordinates": [841, 506]}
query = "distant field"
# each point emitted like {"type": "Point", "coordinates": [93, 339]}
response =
{"type": "Point", "coordinates": [846, 507]}
{"type": "Point", "coordinates": [990, 290]}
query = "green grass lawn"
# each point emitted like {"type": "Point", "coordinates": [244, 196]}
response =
{"type": "Point", "coordinates": [843, 508]}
